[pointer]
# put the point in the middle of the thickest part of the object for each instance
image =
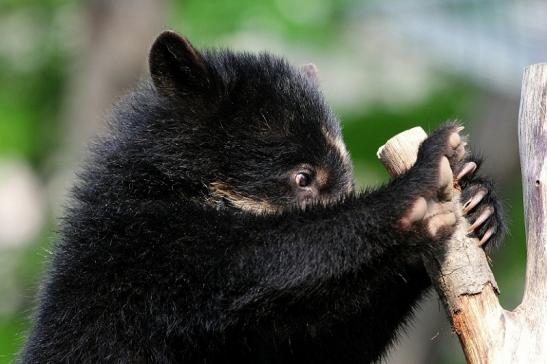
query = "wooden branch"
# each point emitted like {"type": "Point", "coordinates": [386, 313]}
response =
{"type": "Point", "coordinates": [463, 279]}
{"type": "Point", "coordinates": [532, 313]}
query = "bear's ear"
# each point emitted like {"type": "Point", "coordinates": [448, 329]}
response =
{"type": "Point", "coordinates": [311, 72]}
{"type": "Point", "coordinates": [175, 65]}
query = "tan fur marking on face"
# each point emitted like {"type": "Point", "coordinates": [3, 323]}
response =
{"type": "Point", "coordinates": [220, 190]}
{"type": "Point", "coordinates": [337, 143]}
{"type": "Point", "coordinates": [322, 176]}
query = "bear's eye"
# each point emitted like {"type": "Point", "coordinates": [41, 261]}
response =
{"type": "Point", "coordinates": [302, 179]}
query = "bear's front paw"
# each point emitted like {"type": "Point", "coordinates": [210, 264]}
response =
{"type": "Point", "coordinates": [440, 156]}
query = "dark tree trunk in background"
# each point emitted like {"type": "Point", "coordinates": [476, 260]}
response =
{"type": "Point", "coordinates": [115, 43]}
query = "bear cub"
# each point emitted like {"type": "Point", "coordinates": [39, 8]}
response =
{"type": "Point", "coordinates": [218, 223]}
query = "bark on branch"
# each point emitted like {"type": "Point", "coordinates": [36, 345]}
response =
{"type": "Point", "coordinates": [463, 279]}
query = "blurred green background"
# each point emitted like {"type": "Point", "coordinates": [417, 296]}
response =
{"type": "Point", "coordinates": [385, 65]}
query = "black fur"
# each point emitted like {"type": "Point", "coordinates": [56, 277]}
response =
{"type": "Point", "coordinates": [154, 266]}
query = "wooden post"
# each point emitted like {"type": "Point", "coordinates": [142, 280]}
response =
{"type": "Point", "coordinates": [463, 279]}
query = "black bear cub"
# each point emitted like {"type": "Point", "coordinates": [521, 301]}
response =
{"type": "Point", "coordinates": [218, 223]}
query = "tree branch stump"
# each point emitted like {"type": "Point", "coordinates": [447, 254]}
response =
{"type": "Point", "coordinates": [462, 277]}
